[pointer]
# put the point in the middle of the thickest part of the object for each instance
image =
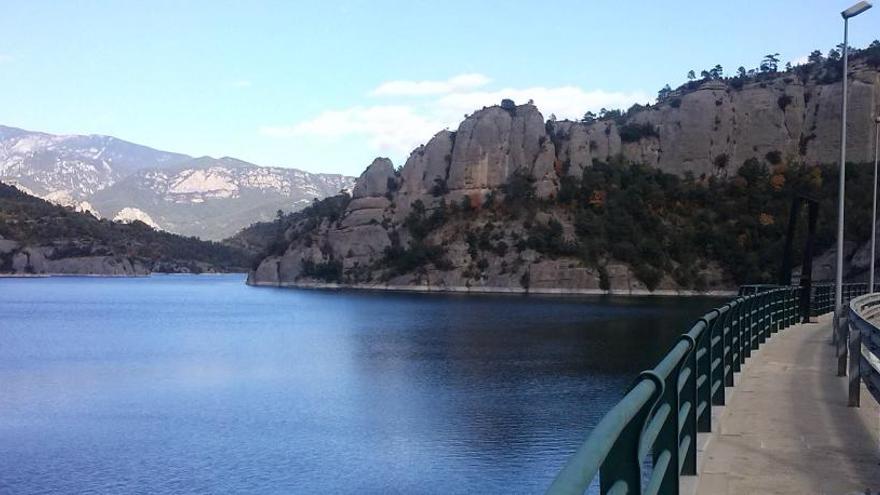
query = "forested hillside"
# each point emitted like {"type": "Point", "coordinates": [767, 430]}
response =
{"type": "Point", "coordinates": [39, 237]}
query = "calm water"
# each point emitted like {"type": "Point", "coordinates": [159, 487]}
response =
{"type": "Point", "coordinates": [181, 384]}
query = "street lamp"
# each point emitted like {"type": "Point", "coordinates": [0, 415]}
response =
{"type": "Point", "coordinates": [874, 209]}
{"type": "Point", "coordinates": [838, 285]}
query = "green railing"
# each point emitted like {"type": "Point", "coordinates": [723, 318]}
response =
{"type": "Point", "coordinates": [647, 441]}
{"type": "Point", "coordinates": [822, 298]}
{"type": "Point", "coordinates": [657, 421]}
{"type": "Point", "coordinates": [864, 346]}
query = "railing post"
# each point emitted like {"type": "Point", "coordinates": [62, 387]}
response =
{"type": "Point", "coordinates": [704, 365]}
{"type": "Point", "coordinates": [855, 359]}
{"type": "Point", "coordinates": [771, 320]}
{"type": "Point", "coordinates": [804, 304]}
{"type": "Point", "coordinates": [786, 305]}
{"type": "Point", "coordinates": [688, 431]}
{"type": "Point", "coordinates": [622, 462]}
{"type": "Point", "coordinates": [734, 330]}
{"type": "Point", "coordinates": [842, 343]}
{"type": "Point", "coordinates": [668, 439]}
{"type": "Point", "coordinates": [779, 313]}
{"type": "Point", "coordinates": [751, 316]}
{"type": "Point", "coordinates": [724, 372]}
{"type": "Point", "coordinates": [791, 306]}
{"type": "Point", "coordinates": [762, 321]}
{"type": "Point", "coordinates": [775, 315]}
{"type": "Point", "coordinates": [835, 327]}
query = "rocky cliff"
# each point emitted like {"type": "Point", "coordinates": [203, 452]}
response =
{"type": "Point", "coordinates": [511, 202]}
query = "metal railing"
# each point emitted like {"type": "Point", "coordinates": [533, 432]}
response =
{"type": "Point", "coordinates": [822, 299]}
{"type": "Point", "coordinates": [667, 406]}
{"type": "Point", "coordinates": [840, 333]}
{"type": "Point", "coordinates": [864, 346]}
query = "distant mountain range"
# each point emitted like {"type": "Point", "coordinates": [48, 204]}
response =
{"type": "Point", "coordinates": [210, 198]}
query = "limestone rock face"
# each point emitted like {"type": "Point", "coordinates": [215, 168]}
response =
{"type": "Point", "coordinates": [266, 272]}
{"type": "Point", "coordinates": [493, 144]}
{"type": "Point", "coordinates": [717, 124]}
{"type": "Point", "coordinates": [41, 261]}
{"type": "Point", "coordinates": [428, 165]}
{"type": "Point", "coordinates": [374, 180]}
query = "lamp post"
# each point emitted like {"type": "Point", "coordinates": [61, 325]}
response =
{"type": "Point", "coordinates": [838, 283]}
{"type": "Point", "coordinates": [874, 208]}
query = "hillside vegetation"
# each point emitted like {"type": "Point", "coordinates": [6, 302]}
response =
{"type": "Point", "coordinates": [36, 235]}
{"type": "Point", "coordinates": [660, 224]}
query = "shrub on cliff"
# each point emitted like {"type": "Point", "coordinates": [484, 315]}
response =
{"type": "Point", "coordinates": [326, 271]}
{"type": "Point", "coordinates": [631, 133]}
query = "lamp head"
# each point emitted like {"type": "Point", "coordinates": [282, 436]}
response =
{"type": "Point", "coordinates": [855, 10]}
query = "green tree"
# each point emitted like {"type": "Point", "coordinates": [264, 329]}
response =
{"type": "Point", "coordinates": [770, 63]}
{"type": "Point", "coordinates": [663, 93]}
{"type": "Point", "coordinates": [691, 76]}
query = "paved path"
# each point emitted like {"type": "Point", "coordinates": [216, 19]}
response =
{"type": "Point", "coordinates": [787, 429]}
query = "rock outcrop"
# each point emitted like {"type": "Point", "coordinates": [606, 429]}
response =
{"type": "Point", "coordinates": [714, 129]}
{"type": "Point", "coordinates": [708, 130]}
{"type": "Point", "coordinates": [41, 261]}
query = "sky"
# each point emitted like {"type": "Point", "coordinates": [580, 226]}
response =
{"type": "Point", "coordinates": [327, 86]}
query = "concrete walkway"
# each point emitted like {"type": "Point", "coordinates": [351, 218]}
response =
{"type": "Point", "coordinates": [787, 429]}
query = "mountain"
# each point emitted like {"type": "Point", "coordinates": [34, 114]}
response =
{"type": "Point", "coordinates": [38, 237]}
{"type": "Point", "coordinates": [215, 198]}
{"type": "Point", "coordinates": [204, 197]}
{"type": "Point", "coordinates": [76, 165]}
{"type": "Point", "coordinates": [689, 194]}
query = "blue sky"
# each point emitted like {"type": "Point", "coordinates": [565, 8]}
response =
{"type": "Point", "coordinates": [327, 86]}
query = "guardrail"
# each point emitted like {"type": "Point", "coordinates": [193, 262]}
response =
{"type": "Point", "coordinates": [864, 346]}
{"type": "Point", "coordinates": [667, 406]}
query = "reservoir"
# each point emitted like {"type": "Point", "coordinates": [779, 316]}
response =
{"type": "Point", "coordinates": [201, 384]}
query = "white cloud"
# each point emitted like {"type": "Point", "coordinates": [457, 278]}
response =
{"type": "Point", "coordinates": [802, 60]}
{"type": "Point", "coordinates": [396, 129]}
{"type": "Point", "coordinates": [423, 88]}
{"type": "Point", "coordinates": [389, 129]}
{"type": "Point", "coordinates": [4, 57]}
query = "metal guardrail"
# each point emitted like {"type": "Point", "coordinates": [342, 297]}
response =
{"type": "Point", "coordinates": [840, 332]}
{"type": "Point", "coordinates": [668, 405]}
{"type": "Point", "coordinates": [864, 346]}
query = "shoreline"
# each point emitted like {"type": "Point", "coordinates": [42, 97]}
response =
{"type": "Point", "coordinates": [107, 275]}
{"type": "Point", "coordinates": [558, 291]}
